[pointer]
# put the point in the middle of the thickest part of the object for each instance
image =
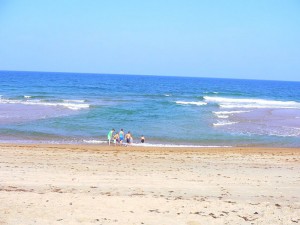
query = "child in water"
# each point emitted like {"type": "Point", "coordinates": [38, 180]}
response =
{"type": "Point", "coordinates": [116, 139]}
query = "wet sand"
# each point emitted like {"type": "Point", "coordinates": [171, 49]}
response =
{"type": "Point", "coordinates": [82, 184]}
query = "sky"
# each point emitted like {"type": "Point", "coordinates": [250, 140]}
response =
{"type": "Point", "coordinates": [254, 39]}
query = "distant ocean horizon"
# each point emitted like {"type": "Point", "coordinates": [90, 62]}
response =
{"type": "Point", "coordinates": [78, 108]}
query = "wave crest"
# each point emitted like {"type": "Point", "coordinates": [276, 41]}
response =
{"type": "Point", "coordinates": [251, 103]}
{"type": "Point", "coordinates": [223, 123]}
{"type": "Point", "coordinates": [72, 106]}
{"type": "Point", "coordinates": [191, 103]}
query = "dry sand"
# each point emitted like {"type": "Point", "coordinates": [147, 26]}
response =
{"type": "Point", "coordinates": [59, 184]}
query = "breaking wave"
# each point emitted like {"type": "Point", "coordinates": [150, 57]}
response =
{"type": "Point", "coordinates": [191, 103]}
{"type": "Point", "coordinates": [70, 105]}
{"type": "Point", "coordinates": [226, 114]}
{"type": "Point", "coordinates": [223, 123]}
{"type": "Point", "coordinates": [251, 103]}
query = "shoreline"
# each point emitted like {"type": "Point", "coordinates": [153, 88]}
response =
{"type": "Point", "coordinates": [102, 144]}
{"type": "Point", "coordinates": [88, 184]}
{"type": "Point", "coordinates": [179, 148]}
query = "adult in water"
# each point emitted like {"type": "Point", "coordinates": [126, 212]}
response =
{"type": "Point", "coordinates": [121, 136]}
{"type": "Point", "coordinates": [142, 139]}
{"type": "Point", "coordinates": [128, 137]}
{"type": "Point", "coordinates": [110, 135]}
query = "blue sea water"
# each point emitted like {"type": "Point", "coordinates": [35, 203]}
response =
{"type": "Point", "coordinates": [39, 107]}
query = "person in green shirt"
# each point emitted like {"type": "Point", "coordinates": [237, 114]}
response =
{"type": "Point", "coordinates": [110, 135]}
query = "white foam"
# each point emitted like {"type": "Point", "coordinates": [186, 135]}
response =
{"type": "Point", "coordinates": [229, 112]}
{"type": "Point", "coordinates": [74, 100]}
{"type": "Point", "coordinates": [223, 123]}
{"type": "Point", "coordinates": [225, 114]}
{"type": "Point", "coordinates": [71, 106]}
{"type": "Point", "coordinates": [177, 146]}
{"type": "Point", "coordinates": [251, 103]}
{"type": "Point", "coordinates": [167, 95]}
{"type": "Point", "coordinates": [94, 141]}
{"type": "Point", "coordinates": [191, 103]}
{"type": "Point", "coordinates": [158, 145]}
{"type": "Point", "coordinates": [65, 105]}
{"type": "Point", "coordinates": [222, 116]}
{"type": "Point", "coordinates": [286, 132]}
{"type": "Point", "coordinates": [27, 96]}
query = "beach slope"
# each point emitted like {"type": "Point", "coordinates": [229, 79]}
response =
{"type": "Point", "coordinates": [65, 184]}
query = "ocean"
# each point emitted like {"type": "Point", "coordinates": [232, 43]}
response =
{"type": "Point", "coordinates": [41, 107]}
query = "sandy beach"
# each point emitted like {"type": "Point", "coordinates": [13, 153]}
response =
{"type": "Point", "coordinates": [84, 184]}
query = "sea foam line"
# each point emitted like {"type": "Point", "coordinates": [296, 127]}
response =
{"type": "Point", "coordinates": [251, 103]}
{"type": "Point", "coordinates": [178, 146]}
{"type": "Point", "coordinates": [74, 100]}
{"type": "Point", "coordinates": [222, 116]}
{"type": "Point", "coordinates": [226, 114]}
{"type": "Point", "coordinates": [191, 103]}
{"type": "Point", "coordinates": [229, 112]}
{"type": "Point", "coordinates": [94, 141]}
{"type": "Point", "coordinates": [222, 123]}
{"type": "Point", "coordinates": [160, 145]}
{"type": "Point", "coordinates": [71, 106]}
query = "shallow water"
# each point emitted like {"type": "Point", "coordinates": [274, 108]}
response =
{"type": "Point", "coordinates": [82, 108]}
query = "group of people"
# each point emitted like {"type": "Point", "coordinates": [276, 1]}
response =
{"type": "Point", "coordinates": [119, 137]}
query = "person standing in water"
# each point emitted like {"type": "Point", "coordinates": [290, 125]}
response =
{"type": "Point", "coordinates": [142, 139]}
{"type": "Point", "coordinates": [116, 139]}
{"type": "Point", "coordinates": [110, 135]}
{"type": "Point", "coordinates": [128, 137]}
{"type": "Point", "coordinates": [121, 136]}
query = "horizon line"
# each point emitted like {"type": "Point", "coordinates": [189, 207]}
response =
{"type": "Point", "coordinates": [147, 75]}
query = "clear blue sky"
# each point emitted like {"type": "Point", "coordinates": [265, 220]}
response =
{"type": "Point", "coordinates": [251, 39]}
